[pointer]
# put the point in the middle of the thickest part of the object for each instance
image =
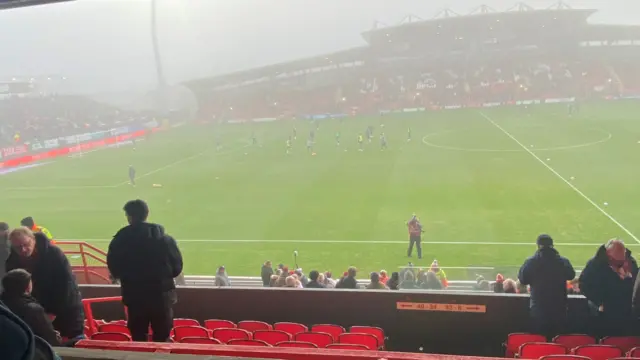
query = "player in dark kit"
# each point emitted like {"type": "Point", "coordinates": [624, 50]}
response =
{"type": "Point", "coordinates": [132, 175]}
{"type": "Point", "coordinates": [408, 134]}
{"type": "Point", "coordinates": [415, 235]}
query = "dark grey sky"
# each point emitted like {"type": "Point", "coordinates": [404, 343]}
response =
{"type": "Point", "coordinates": [104, 45]}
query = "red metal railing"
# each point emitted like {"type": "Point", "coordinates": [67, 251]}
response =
{"type": "Point", "coordinates": [88, 311]}
{"type": "Point", "coordinates": [87, 252]}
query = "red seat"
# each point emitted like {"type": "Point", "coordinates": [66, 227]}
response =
{"type": "Point", "coordinates": [626, 343]}
{"type": "Point", "coordinates": [572, 341]}
{"type": "Point", "coordinates": [515, 340]}
{"type": "Point", "coordinates": [226, 335]}
{"type": "Point", "coordinates": [180, 332]}
{"type": "Point", "coordinates": [564, 357]}
{"type": "Point", "coordinates": [219, 324]}
{"type": "Point", "coordinates": [375, 331]}
{"type": "Point", "coordinates": [367, 340]}
{"type": "Point", "coordinates": [251, 325]}
{"type": "Point", "coordinates": [271, 337]}
{"type": "Point", "coordinates": [290, 328]}
{"type": "Point", "coordinates": [199, 340]}
{"type": "Point", "coordinates": [185, 322]}
{"type": "Point", "coordinates": [320, 339]}
{"type": "Point", "coordinates": [539, 349]}
{"type": "Point", "coordinates": [297, 344]}
{"type": "Point", "coordinates": [111, 336]}
{"type": "Point", "coordinates": [333, 330]}
{"type": "Point", "coordinates": [243, 342]}
{"type": "Point", "coordinates": [347, 347]}
{"type": "Point", "coordinates": [635, 352]}
{"type": "Point", "coordinates": [598, 352]}
{"type": "Point", "coordinates": [114, 328]}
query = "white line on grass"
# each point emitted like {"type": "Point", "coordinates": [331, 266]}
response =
{"type": "Point", "coordinates": [561, 178]}
{"type": "Point", "coordinates": [79, 187]}
{"type": "Point", "coordinates": [532, 244]}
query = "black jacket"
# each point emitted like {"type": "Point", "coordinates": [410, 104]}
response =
{"type": "Point", "coordinates": [54, 285]}
{"type": "Point", "coordinates": [602, 286]}
{"type": "Point", "coordinates": [314, 285]}
{"type": "Point", "coordinates": [348, 283]}
{"type": "Point", "coordinates": [4, 255]}
{"type": "Point", "coordinates": [265, 274]}
{"type": "Point", "coordinates": [145, 260]}
{"type": "Point", "coordinates": [547, 273]}
{"type": "Point", "coordinates": [28, 309]}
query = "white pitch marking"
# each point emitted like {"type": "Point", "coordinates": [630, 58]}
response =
{"type": "Point", "coordinates": [562, 178]}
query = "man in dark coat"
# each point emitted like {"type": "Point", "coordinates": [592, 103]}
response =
{"type": "Point", "coordinates": [54, 285]}
{"type": "Point", "coordinates": [145, 260]}
{"type": "Point", "coordinates": [547, 273]}
{"type": "Point", "coordinates": [265, 273]}
{"type": "Point", "coordinates": [4, 248]}
{"type": "Point", "coordinates": [17, 297]}
{"type": "Point", "coordinates": [607, 281]}
{"type": "Point", "coordinates": [313, 283]}
{"type": "Point", "coordinates": [349, 281]}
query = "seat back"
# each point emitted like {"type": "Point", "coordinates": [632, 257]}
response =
{"type": "Point", "coordinates": [626, 343]}
{"type": "Point", "coordinates": [214, 324]}
{"type": "Point", "coordinates": [375, 331]}
{"type": "Point", "coordinates": [635, 352]}
{"type": "Point", "coordinates": [297, 344]}
{"type": "Point", "coordinates": [290, 328]}
{"type": "Point", "coordinates": [111, 336]}
{"type": "Point", "coordinates": [226, 335]}
{"type": "Point", "coordinates": [367, 340]}
{"type": "Point", "coordinates": [572, 341]}
{"type": "Point", "coordinates": [185, 322]}
{"type": "Point", "coordinates": [118, 328]}
{"type": "Point", "coordinates": [564, 357]}
{"type": "Point", "coordinates": [333, 330]}
{"type": "Point", "coordinates": [320, 339]}
{"type": "Point", "coordinates": [199, 340]}
{"type": "Point", "coordinates": [538, 350]}
{"type": "Point", "coordinates": [180, 332]}
{"type": "Point", "coordinates": [598, 352]}
{"type": "Point", "coordinates": [515, 340]}
{"type": "Point", "coordinates": [347, 347]}
{"type": "Point", "coordinates": [243, 342]}
{"type": "Point", "coordinates": [271, 337]}
{"type": "Point", "coordinates": [251, 325]}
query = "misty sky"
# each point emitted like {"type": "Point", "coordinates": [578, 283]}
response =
{"type": "Point", "coordinates": [105, 45]}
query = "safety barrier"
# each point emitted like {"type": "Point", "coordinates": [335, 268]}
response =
{"type": "Point", "coordinates": [87, 273]}
{"type": "Point", "coordinates": [91, 327]}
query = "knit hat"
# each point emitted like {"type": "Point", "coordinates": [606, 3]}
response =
{"type": "Point", "coordinates": [434, 265]}
{"type": "Point", "coordinates": [544, 240]}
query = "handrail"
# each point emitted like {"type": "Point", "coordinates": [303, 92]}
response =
{"type": "Point", "coordinates": [82, 243]}
{"type": "Point", "coordinates": [88, 312]}
{"type": "Point", "coordinates": [95, 273]}
{"type": "Point", "coordinates": [84, 253]}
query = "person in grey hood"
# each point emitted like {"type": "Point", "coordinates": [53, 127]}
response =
{"type": "Point", "coordinates": [145, 260]}
{"type": "Point", "coordinates": [4, 248]}
{"type": "Point", "coordinates": [222, 279]}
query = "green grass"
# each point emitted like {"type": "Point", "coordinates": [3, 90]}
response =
{"type": "Point", "coordinates": [480, 196]}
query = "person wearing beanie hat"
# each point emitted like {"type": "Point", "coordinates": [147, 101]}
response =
{"type": "Point", "coordinates": [546, 273]}
{"type": "Point", "coordinates": [497, 286]}
{"type": "Point", "coordinates": [439, 273]}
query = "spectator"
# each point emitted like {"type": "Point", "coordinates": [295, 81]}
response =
{"type": "Point", "coordinates": [349, 282]}
{"type": "Point", "coordinates": [498, 287]}
{"type": "Point", "coordinates": [273, 280]}
{"type": "Point", "coordinates": [145, 260]}
{"type": "Point", "coordinates": [439, 273]}
{"type": "Point", "coordinates": [328, 281]}
{"type": "Point", "coordinates": [4, 247]}
{"type": "Point", "coordinates": [521, 289]}
{"type": "Point", "coordinates": [574, 287]}
{"type": "Point", "coordinates": [484, 285]}
{"type": "Point", "coordinates": [547, 273]}
{"type": "Point", "coordinates": [409, 281]}
{"type": "Point", "coordinates": [54, 285]}
{"type": "Point", "coordinates": [315, 281]}
{"type": "Point", "coordinates": [432, 282]}
{"type": "Point", "coordinates": [479, 279]}
{"type": "Point", "coordinates": [303, 279]}
{"type": "Point", "coordinates": [29, 223]}
{"type": "Point", "coordinates": [509, 286]}
{"type": "Point", "coordinates": [383, 276]}
{"type": "Point", "coordinates": [607, 281]}
{"type": "Point", "coordinates": [222, 279]}
{"type": "Point", "coordinates": [394, 281]}
{"type": "Point", "coordinates": [266, 273]}
{"type": "Point", "coordinates": [375, 283]}
{"type": "Point", "coordinates": [17, 297]}
{"type": "Point", "coordinates": [18, 341]}
{"type": "Point", "coordinates": [282, 280]}
{"type": "Point", "coordinates": [291, 282]}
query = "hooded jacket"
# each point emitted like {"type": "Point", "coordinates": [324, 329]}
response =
{"type": "Point", "coordinates": [145, 260]}
{"type": "Point", "coordinates": [54, 285]}
{"type": "Point", "coordinates": [28, 309]}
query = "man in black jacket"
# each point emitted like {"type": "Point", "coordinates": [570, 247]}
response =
{"type": "Point", "coordinates": [349, 281]}
{"type": "Point", "coordinates": [265, 273]}
{"type": "Point", "coordinates": [54, 285]}
{"type": "Point", "coordinates": [547, 273]}
{"type": "Point", "coordinates": [145, 260]}
{"type": "Point", "coordinates": [17, 297]}
{"type": "Point", "coordinates": [314, 284]}
{"type": "Point", "coordinates": [4, 247]}
{"type": "Point", "coordinates": [607, 281]}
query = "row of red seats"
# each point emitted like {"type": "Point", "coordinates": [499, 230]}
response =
{"type": "Point", "coordinates": [532, 346]}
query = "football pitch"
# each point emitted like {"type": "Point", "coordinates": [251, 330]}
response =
{"type": "Point", "coordinates": [484, 184]}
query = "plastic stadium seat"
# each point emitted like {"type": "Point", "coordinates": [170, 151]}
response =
{"type": "Point", "coordinates": [180, 332]}
{"type": "Point", "coordinates": [367, 340]}
{"type": "Point", "coordinates": [564, 357]}
{"type": "Point", "coordinates": [635, 352]}
{"type": "Point", "coordinates": [297, 344]}
{"type": "Point", "coordinates": [110, 336]}
{"type": "Point", "coordinates": [320, 339]}
{"type": "Point", "coordinates": [225, 335]}
{"type": "Point", "coordinates": [219, 324]}
{"type": "Point", "coordinates": [540, 349]}
{"type": "Point", "coordinates": [271, 337]}
{"type": "Point", "coordinates": [626, 343]}
{"type": "Point", "coordinates": [515, 340]}
{"type": "Point", "coordinates": [347, 347]}
{"type": "Point", "coordinates": [199, 340]}
{"type": "Point", "coordinates": [290, 328]}
{"type": "Point", "coordinates": [185, 322]}
{"type": "Point", "coordinates": [333, 330]}
{"type": "Point", "coordinates": [114, 328]}
{"type": "Point", "coordinates": [572, 341]}
{"type": "Point", "coordinates": [251, 325]}
{"type": "Point", "coordinates": [375, 331]}
{"type": "Point", "coordinates": [599, 352]}
{"type": "Point", "coordinates": [243, 342]}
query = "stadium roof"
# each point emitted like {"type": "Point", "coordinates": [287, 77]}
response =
{"type": "Point", "coordinates": [10, 4]}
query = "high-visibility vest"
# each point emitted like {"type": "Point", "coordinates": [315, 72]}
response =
{"type": "Point", "coordinates": [44, 230]}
